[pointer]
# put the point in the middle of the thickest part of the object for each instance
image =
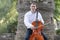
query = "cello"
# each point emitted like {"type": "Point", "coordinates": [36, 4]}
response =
{"type": "Point", "coordinates": [36, 34]}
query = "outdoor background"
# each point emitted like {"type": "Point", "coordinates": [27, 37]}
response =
{"type": "Point", "coordinates": [9, 16]}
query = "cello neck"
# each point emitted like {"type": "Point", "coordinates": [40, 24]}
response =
{"type": "Point", "coordinates": [36, 18]}
{"type": "Point", "coordinates": [36, 15]}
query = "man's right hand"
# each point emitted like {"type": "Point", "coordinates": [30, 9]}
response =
{"type": "Point", "coordinates": [32, 27]}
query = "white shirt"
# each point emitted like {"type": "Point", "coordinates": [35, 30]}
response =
{"type": "Point", "coordinates": [29, 17]}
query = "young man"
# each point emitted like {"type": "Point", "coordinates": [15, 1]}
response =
{"type": "Point", "coordinates": [29, 17]}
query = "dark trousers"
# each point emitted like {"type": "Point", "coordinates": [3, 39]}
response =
{"type": "Point", "coordinates": [29, 32]}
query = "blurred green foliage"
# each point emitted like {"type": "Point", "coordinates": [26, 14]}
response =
{"type": "Point", "coordinates": [8, 15]}
{"type": "Point", "coordinates": [57, 10]}
{"type": "Point", "coordinates": [12, 27]}
{"type": "Point", "coordinates": [58, 32]}
{"type": "Point", "coordinates": [57, 14]}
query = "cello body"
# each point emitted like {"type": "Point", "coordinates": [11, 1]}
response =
{"type": "Point", "coordinates": [36, 34]}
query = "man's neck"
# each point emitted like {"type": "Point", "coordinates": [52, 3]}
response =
{"type": "Point", "coordinates": [33, 11]}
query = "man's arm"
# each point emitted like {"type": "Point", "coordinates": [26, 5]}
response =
{"type": "Point", "coordinates": [26, 21]}
{"type": "Point", "coordinates": [40, 18]}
